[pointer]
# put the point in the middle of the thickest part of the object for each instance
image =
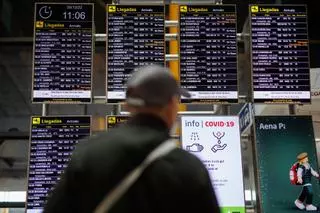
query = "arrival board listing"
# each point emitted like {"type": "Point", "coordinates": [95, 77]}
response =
{"type": "Point", "coordinates": [135, 37]}
{"type": "Point", "coordinates": [63, 46]}
{"type": "Point", "coordinates": [52, 141]}
{"type": "Point", "coordinates": [208, 53]}
{"type": "Point", "coordinates": [280, 54]}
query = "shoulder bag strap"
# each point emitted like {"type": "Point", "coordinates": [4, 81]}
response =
{"type": "Point", "coordinates": [111, 198]}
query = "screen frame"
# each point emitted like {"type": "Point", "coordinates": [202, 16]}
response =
{"type": "Point", "coordinates": [30, 138]}
{"type": "Point", "coordinates": [210, 101]}
{"type": "Point", "coordinates": [110, 101]}
{"type": "Point", "coordinates": [253, 100]}
{"type": "Point", "coordinates": [34, 48]}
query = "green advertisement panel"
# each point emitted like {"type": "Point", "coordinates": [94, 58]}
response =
{"type": "Point", "coordinates": [287, 164]}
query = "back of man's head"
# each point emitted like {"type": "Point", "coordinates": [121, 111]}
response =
{"type": "Point", "coordinates": [154, 89]}
{"type": "Point", "coordinates": [152, 86]}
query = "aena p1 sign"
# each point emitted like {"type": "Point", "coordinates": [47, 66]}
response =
{"type": "Point", "coordinates": [215, 140]}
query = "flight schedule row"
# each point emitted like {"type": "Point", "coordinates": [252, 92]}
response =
{"type": "Point", "coordinates": [53, 139]}
{"type": "Point", "coordinates": [280, 53]}
{"type": "Point", "coordinates": [208, 53]}
{"type": "Point", "coordinates": [135, 37]}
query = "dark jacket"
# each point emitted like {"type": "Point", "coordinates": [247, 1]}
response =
{"type": "Point", "coordinates": [178, 182]}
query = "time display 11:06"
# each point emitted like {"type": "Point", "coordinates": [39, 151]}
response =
{"type": "Point", "coordinates": [74, 15]}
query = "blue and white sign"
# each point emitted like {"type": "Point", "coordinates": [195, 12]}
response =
{"type": "Point", "coordinates": [245, 117]}
{"type": "Point", "coordinates": [215, 140]}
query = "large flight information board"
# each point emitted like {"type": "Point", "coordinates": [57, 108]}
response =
{"type": "Point", "coordinates": [63, 52]}
{"type": "Point", "coordinates": [52, 141]}
{"type": "Point", "coordinates": [135, 37]}
{"type": "Point", "coordinates": [280, 54]}
{"type": "Point", "coordinates": [208, 53]}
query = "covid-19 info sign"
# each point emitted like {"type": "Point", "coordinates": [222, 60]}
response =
{"type": "Point", "coordinates": [215, 140]}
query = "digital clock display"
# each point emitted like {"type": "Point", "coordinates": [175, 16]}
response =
{"type": "Point", "coordinates": [64, 11]}
{"type": "Point", "coordinates": [63, 51]}
{"type": "Point", "coordinates": [74, 15]}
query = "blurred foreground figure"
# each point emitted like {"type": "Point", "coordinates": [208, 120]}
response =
{"type": "Point", "coordinates": [175, 182]}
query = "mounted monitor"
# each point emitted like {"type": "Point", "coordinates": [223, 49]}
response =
{"type": "Point", "coordinates": [208, 53]}
{"type": "Point", "coordinates": [51, 144]}
{"type": "Point", "coordinates": [135, 37]}
{"type": "Point", "coordinates": [280, 54]}
{"type": "Point", "coordinates": [63, 52]}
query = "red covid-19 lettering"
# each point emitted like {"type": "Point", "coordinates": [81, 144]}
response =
{"type": "Point", "coordinates": [219, 124]}
{"type": "Point", "coordinates": [214, 124]}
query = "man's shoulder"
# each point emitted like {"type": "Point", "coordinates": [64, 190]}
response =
{"type": "Point", "coordinates": [96, 143]}
{"type": "Point", "coordinates": [178, 169]}
{"type": "Point", "coordinates": [116, 143]}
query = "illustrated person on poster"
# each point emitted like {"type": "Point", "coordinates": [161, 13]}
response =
{"type": "Point", "coordinates": [305, 173]}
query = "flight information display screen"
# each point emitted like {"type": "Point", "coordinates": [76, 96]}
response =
{"type": "Point", "coordinates": [280, 54]}
{"type": "Point", "coordinates": [52, 141]}
{"type": "Point", "coordinates": [208, 53]}
{"type": "Point", "coordinates": [114, 121]}
{"type": "Point", "coordinates": [63, 51]}
{"type": "Point", "coordinates": [135, 37]}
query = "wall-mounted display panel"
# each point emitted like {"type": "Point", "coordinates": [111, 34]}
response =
{"type": "Point", "coordinates": [135, 37]}
{"type": "Point", "coordinates": [63, 52]}
{"type": "Point", "coordinates": [51, 144]}
{"type": "Point", "coordinates": [280, 54]}
{"type": "Point", "coordinates": [208, 53]}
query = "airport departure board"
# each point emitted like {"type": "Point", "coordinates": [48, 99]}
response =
{"type": "Point", "coordinates": [208, 53]}
{"type": "Point", "coordinates": [135, 37]}
{"type": "Point", "coordinates": [280, 54]}
{"type": "Point", "coordinates": [63, 51]}
{"type": "Point", "coordinates": [114, 121]}
{"type": "Point", "coordinates": [52, 141]}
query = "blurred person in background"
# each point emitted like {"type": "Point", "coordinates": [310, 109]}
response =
{"type": "Point", "coordinates": [176, 182]}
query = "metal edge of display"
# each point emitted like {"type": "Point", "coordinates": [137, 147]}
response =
{"type": "Point", "coordinates": [256, 157]}
{"type": "Point", "coordinates": [212, 115]}
{"type": "Point", "coordinates": [33, 54]}
{"type": "Point", "coordinates": [116, 116]}
{"type": "Point", "coordinates": [29, 148]}
{"type": "Point", "coordinates": [251, 112]}
{"type": "Point", "coordinates": [110, 101]}
{"type": "Point", "coordinates": [211, 101]}
{"type": "Point", "coordinates": [251, 60]}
